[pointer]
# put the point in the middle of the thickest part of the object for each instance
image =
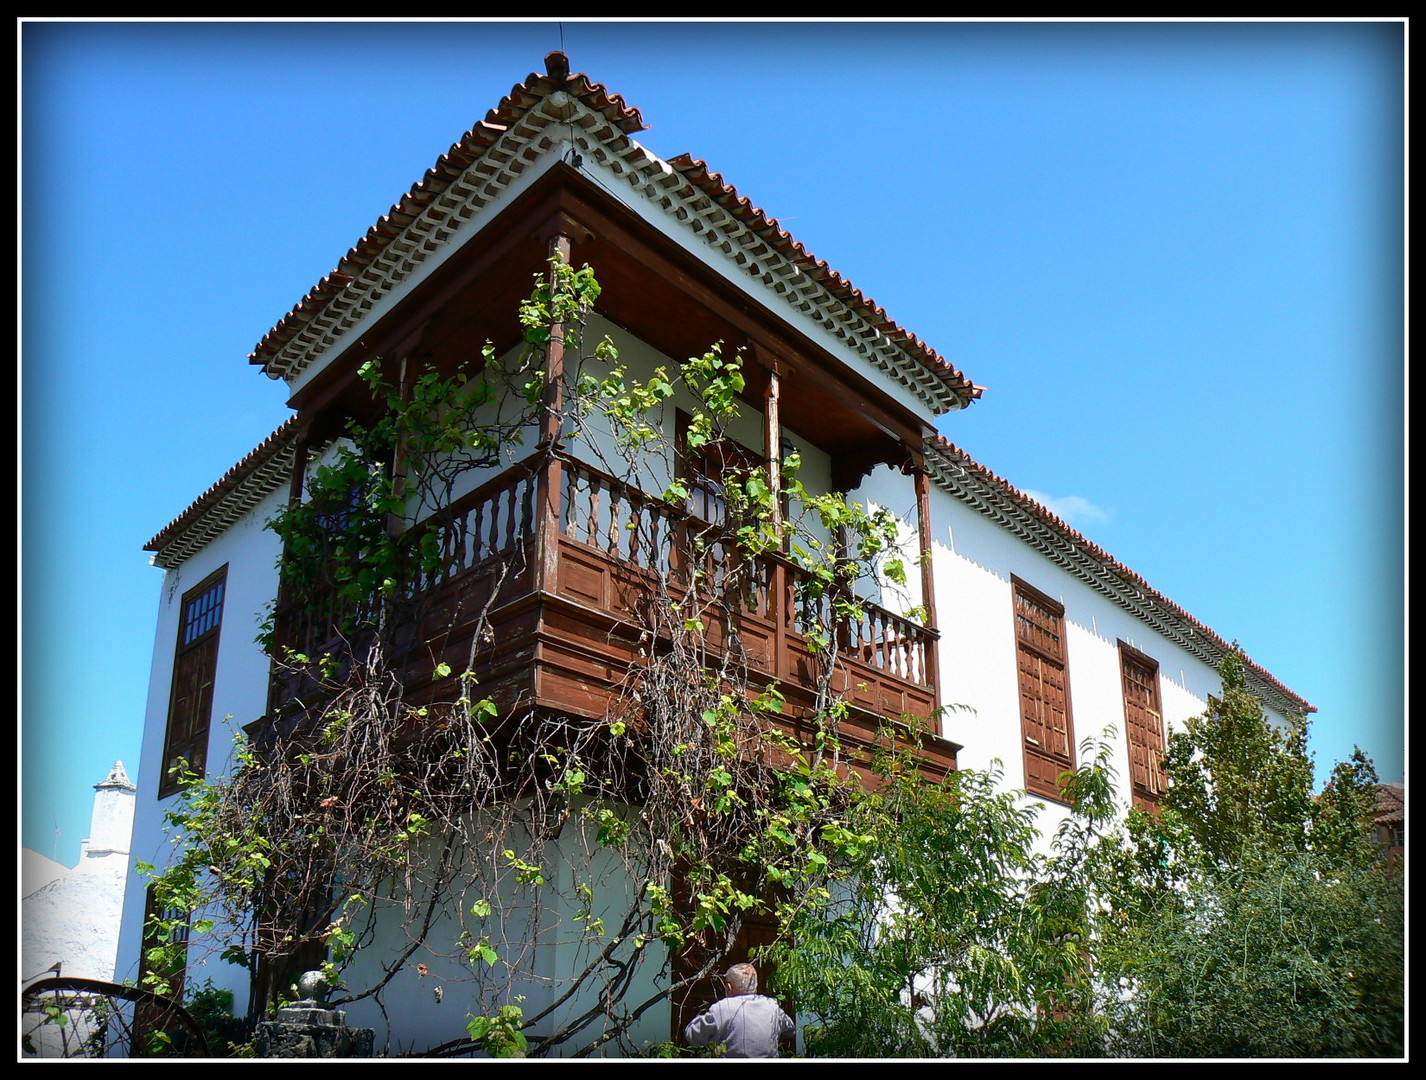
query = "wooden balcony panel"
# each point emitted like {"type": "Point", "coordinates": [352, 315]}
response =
{"type": "Point", "coordinates": [584, 660]}
{"type": "Point", "coordinates": [572, 648]}
{"type": "Point", "coordinates": [607, 562]}
{"type": "Point", "coordinates": [506, 656]}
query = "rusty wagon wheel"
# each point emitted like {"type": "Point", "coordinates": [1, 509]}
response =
{"type": "Point", "coordinates": [66, 1017]}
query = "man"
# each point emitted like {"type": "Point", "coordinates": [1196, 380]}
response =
{"type": "Point", "coordinates": [748, 1023]}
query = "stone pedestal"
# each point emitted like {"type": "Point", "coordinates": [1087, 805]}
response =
{"type": "Point", "coordinates": [308, 1029]}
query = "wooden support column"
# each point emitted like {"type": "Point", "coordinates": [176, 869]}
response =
{"type": "Point", "coordinates": [406, 351]}
{"type": "Point", "coordinates": [772, 442]}
{"type": "Point", "coordinates": [928, 578]}
{"type": "Point", "coordinates": [549, 485]}
{"type": "Point", "coordinates": [848, 472]}
{"type": "Point", "coordinates": [396, 520]}
{"type": "Point", "coordinates": [552, 406]}
{"type": "Point", "coordinates": [781, 610]}
{"type": "Point", "coordinates": [283, 618]}
{"type": "Point", "coordinates": [300, 453]}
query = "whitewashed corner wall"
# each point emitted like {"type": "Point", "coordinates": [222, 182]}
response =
{"type": "Point", "coordinates": [540, 936]}
{"type": "Point", "coordinates": [250, 553]}
{"type": "Point", "coordinates": [973, 559]}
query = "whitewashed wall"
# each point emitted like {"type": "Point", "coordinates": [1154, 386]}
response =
{"type": "Point", "coordinates": [539, 941]}
{"type": "Point", "coordinates": [597, 445]}
{"type": "Point", "coordinates": [240, 692]}
{"type": "Point", "coordinates": [973, 560]}
{"type": "Point", "coordinates": [73, 918]}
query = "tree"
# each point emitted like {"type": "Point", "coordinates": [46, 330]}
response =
{"type": "Point", "coordinates": [951, 935]}
{"type": "Point", "coordinates": [1250, 919]}
{"type": "Point", "coordinates": [1246, 919]}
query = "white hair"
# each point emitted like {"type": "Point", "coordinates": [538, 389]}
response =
{"type": "Point", "coordinates": [743, 979]}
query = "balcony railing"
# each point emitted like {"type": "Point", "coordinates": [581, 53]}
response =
{"type": "Point", "coordinates": [484, 526]}
{"type": "Point", "coordinates": [487, 526]}
{"type": "Point", "coordinates": [642, 539]}
{"type": "Point", "coordinates": [636, 529]}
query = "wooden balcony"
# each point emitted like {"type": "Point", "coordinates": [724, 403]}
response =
{"type": "Point", "coordinates": [546, 575]}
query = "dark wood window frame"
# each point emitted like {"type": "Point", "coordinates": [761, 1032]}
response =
{"type": "Point", "coordinates": [1042, 669]}
{"type": "Point", "coordinates": [195, 666]}
{"type": "Point", "coordinates": [712, 465]}
{"type": "Point", "coordinates": [150, 1018]}
{"type": "Point", "coordinates": [153, 910]}
{"type": "Point", "coordinates": [1144, 728]}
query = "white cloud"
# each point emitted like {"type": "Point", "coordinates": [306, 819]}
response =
{"type": "Point", "coordinates": [1074, 509]}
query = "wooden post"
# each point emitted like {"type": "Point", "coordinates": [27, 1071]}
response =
{"type": "Point", "coordinates": [406, 350]}
{"type": "Point", "coordinates": [779, 609]}
{"type": "Point", "coordinates": [282, 617]}
{"type": "Point", "coordinates": [396, 520]}
{"type": "Point", "coordinates": [300, 453]}
{"type": "Point", "coordinates": [772, 443]}
{"type": "Point", "coordinates": [928, 577]}
{"type": "Point", "coordinates": [551, 407]}
{"type": "Point", "coordinates": [549, 485]}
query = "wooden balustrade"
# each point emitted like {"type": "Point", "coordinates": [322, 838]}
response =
{"type": "Point", "coordinates": [482, 526]}
{"type": "Point", "coordinates": [616, 546]}
{"type": "Point", "coordinates": [636, 529]}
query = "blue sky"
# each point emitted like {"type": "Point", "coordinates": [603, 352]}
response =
{"type": "Point", "coordinates": [1171, 252]}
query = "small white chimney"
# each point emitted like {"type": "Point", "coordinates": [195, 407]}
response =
{"type": "Point", "coordinates": [112, 825]}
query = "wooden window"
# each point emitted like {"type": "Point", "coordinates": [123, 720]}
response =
{"type": "Point", "coordinates": [1144, 721]}
{"type": "Point", "coordinates": [175, 970]}
{"type": "Point", "coordinates": [151, 1018]}
{"type": "Point", "coordinates": [707, 470]}
{"type": "Point", "coordinates": [190, 703]}
{"type": "Point", "coordinates": [1045, 719]}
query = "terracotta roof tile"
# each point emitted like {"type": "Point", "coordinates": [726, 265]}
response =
{"type": "Point", "coordinates": [230, 482]}
{"type": "Point", "coordinates": [713, 185]}
{"type": "Point", "coordinates": [449, 167]}
{"type": "Point", "coordinates": [1391, 803]}
{"type": "Point", "coordinates": [522, 98]}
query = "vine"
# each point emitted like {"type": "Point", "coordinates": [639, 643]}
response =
{"type": "Point", "coordinates": [394, 818]}
{"type": "Point", "coordinates": [385, 801]}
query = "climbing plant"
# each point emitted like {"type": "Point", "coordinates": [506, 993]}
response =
{"type": "Point", "coordinates": [387, 816]}
{"type": "Point", "coordinates": [393, 818]}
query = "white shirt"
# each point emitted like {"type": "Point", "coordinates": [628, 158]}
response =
{"type": "Point", "coordinates": [748, 1024]}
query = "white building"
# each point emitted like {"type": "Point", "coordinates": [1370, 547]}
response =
{"type": "Point", "coordinates": [1041, 636]}
{"type": "Point", "coordinates": [70, 916]}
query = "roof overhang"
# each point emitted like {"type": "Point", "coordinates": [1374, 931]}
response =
{"type": "Point", "coordinates": [560, 121]}
{"type": "Point", "coordinates": [652, 286]}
